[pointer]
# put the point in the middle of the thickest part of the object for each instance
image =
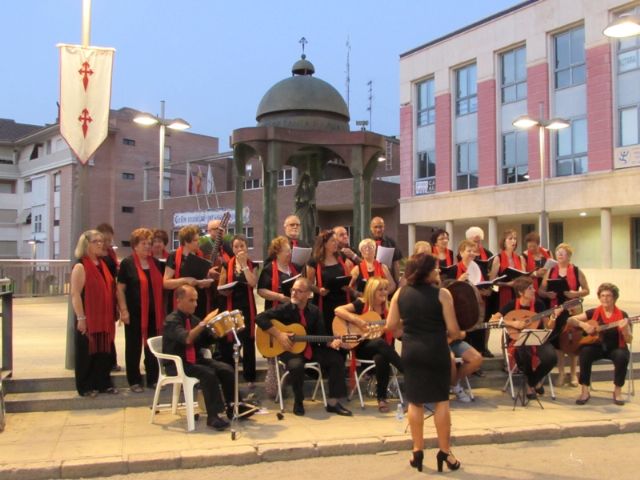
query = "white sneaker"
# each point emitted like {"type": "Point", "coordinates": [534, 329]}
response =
{"type": "Point", "coordinates": [461, 394]}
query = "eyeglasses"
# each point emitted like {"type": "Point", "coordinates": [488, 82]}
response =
{"type": "Point", "coordinates": [298, 290]}
{"type": "Point", "coordinates": [293, 224]}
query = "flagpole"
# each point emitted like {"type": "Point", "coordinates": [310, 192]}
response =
{"type": "Point", "coordinates": [79, 202]}
{"type": "Point", "coordinates": [161, 167]}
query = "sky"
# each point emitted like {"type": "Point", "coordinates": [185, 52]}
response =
{"type": "Point", "coordinates": [213, 60]}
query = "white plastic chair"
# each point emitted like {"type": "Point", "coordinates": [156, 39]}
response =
{"type": "Point", "coordinates": [370, 366]}
{"type": "Point", "coordinates": [315, 366]}
{"type": "Point", "coordinates": [631, 389]}
{"type": "Point", "coordinates": [180, 380]}
{"type": "Point", "coordinates": [459, 361]}
{"type": "Point", "coordinates": [512, 369]}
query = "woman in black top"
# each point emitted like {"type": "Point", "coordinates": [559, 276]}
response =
{"type": "Point", "coordinates": [140, 301]}
{"type": "Point", "coordinates": [324, 270]}
{"type": "Point", "coordinates": [380, 350]}
{"type": "Point", "coordinates": [275, 272]}
{"type": "Point", "coordinates": [423, 314]}
{"type": "Point", "coordinates": [441, 250]}
{"type": "Point", "coordinates": [242, 270]}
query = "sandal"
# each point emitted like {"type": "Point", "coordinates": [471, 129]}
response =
{"type": "Point", "coordinates": [137, 388]}
{"type": "Point", "coordinates": [383, 406]}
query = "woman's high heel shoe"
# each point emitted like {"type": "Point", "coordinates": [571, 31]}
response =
{"type": "Point", "coordinates": [416, 462]}
{"type": "Point", "coordinates": [444, 457]}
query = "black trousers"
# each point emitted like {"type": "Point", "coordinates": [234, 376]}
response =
{"type": "Point", "coordinates": [213, 375]}
{"type": "Point", "coordinates": [548, 359]}
{"type": "Point", "coordinates": [133, 350]}
{"type": "Point", "coordinates": [248, 353]}
{"type": "Point", "coordinates": [591, 353]}
{"type": "Point", "coordinates": [383, 355]}
{"type": "Point", "coordinates": [331, 362]}
{"type": "Point", "coordinates": [92, 371]}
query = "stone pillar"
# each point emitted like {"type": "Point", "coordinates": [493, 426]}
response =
{"type": "Point", "coordinates": [606, 235]}
{"type": "Point", "coordinates": [492, 234]}
{"type": "Point", "coordinates": [448, 226]}
{"type": "Point", "coordinates": [270, 196]}
{"type": "Point", "coordinates": [411, 235]}
{"type": "Point", "coordinates": [240, 176]}
{"type": "Point", "coordinates": [358, 228]}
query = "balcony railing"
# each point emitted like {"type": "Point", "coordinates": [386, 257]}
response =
{"type": "Point", "coordinates": [37, 278]}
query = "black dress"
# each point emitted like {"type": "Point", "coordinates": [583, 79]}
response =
{"type": "Point", "coordinates": [425, 353]}
{"type": "Point", "coordinates": [336, 296]}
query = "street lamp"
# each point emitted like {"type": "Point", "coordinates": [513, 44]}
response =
{"type": "Point", "coordinates": [626, 25]}
{"type": "Point", "coordinates": [34, 253]}
{"type": "Point", "coordinates": [147, 119]}
{"type": "Point", "coordinates": [525, 122]}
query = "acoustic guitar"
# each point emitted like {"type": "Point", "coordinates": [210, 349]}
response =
{"type": "Point", "coordinates": [375, 327]}
{"type": "Point", "coordinates": [595, 337]}
{"type": "Point", "coordinates": [530, 317]}
{"type": "Point", "coordinates": [269, 347]}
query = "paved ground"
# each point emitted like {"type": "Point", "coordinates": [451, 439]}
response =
{"type": "Point", "coordinates": [570, 458]}
{"type": "Point", "coordinates": [93, 443]}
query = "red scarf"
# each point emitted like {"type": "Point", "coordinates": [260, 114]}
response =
{"type": "Point", "coordinates": [377, 269]}
{"type": "Point", "coordinates": [572, 280]}
{"type": "Point", "coordinates": [294, 242]}
{"type": "Point", "coordinates": [99, 305]}
{"type": "Point", "coordinates": [319, 280]}
{"type": "Point", "coordinates": [190, 349]}
{"type": "Point", "coordinates": [483, 253]}
{"type": "Point", "coordinates": [176, 274]}
{"type": "Point", "coordinates": [448, 257]}
{"type": "Point", "coordinates": [506, 293]}
{"type": "Point", "coordinates": [308, 353]}
{"type": "Point", "coordinates": [535, 359]}
{"type": "Point", "coordinates": [531, 264]}
{"type": "Point", "coordinates": [156, 286]}
{"type": "Point", "coordinates": [252, 307]}
{"type": "Point", "coordinates": [275, 279]}
{"type": "Point", "coordinates": [600, 317]}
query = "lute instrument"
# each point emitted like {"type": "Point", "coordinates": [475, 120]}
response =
{"type": "Point", "coordinates": [531, 318]}
{"type": "Point", "coordinates": [375, 327]}
{"type": "Point", "coordinates": [595, 337]}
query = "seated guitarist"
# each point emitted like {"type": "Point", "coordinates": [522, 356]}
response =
{"type": "Point", "coordinates": [380, 350]}
{"type": "Point", "coordinates": [611, 343]}
{"type": "Point", "coordinates": [534, 362]}
{"type": "Point", "coordinates": [301, 311]}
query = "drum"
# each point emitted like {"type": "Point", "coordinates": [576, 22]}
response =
{"type": "Point", "coordinates": [238, 319]}
{"type": "Point", "coordinates": [465, 304]}
{"type": "Point", "coordinates": [222, 324]}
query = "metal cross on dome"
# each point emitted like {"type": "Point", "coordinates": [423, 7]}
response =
{"type": "Point", "coordinates": [303, 41]}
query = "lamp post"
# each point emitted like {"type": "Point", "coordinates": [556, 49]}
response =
{"type": "Point", "coordinates": [147, 119]}
{"type": "Point", "coordinates": [34, 253]}
{"type": "Point", "coordinates": [626, 25]}
{"type": "Point", "coordinates": [525, 122]}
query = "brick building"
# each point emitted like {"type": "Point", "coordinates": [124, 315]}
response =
{"type": "Point", "coordinates": [463, 162]}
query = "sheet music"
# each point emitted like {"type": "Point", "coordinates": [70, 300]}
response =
{"type": "Point", "coordinates": [385, 255]}
{"type": "Point", "coordinates": [531, 337]}
{"type": "Point", "coordinates": [227, 286]}
{"type": "Point", "coordinates": [475, 275]}
{"type": "Point", "coordinates": [300, 255]}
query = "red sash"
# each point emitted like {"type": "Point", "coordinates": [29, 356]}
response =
{"type": "Point", "coordinates": [447, 254]}
{"type": "Point", "coordinates": [308, 353]}
{"type": "Point", "coordinates": [531, 264]}
{"type": "Point", "coordinates": [98, 305]}
{"type": "Point", "coordinates": [377, 269]}
{"type": "Point", "coordinates": [275, 279]}
{"type": "Point", "coordinates": [156, 286]}
{"type": "Point", "coordinates": [252, 307]}
{"type": "Point", "coordinates": [572, 280]}
{"type": "Point", "coordinates": [319, 280]}
{"type": "Point", "coordinates": [600, 317]}
{"type": "Point", "coordinates": [483, 253]}
{"type": "Point", "coordinates": [506, 293]}
{"type": "Point", "coordinates": [535, 359]}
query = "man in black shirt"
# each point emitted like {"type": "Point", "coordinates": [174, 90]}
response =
{"type": "Point", "coordinates": [301, 311]}
{"type": "Point", "coordinates": [377, 234]}
{"type": "Point", "coordinates": [184, 335]}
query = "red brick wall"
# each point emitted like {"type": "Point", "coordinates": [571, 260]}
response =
{"type": "Point", "coordinates": [443, 143]}
{"type": "Point", "coordinates": [537, 91]}
{"type": "Point", "coordinates": [487, 150]}
{"type": "Point", "coordinates": [406, 151]}
{"type": "Point", "coordinates": [599, 108]}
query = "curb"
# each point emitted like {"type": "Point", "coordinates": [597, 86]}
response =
{"type": "Point", "coordinates": [271, 452]}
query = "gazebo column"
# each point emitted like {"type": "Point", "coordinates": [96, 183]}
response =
{"type": "Point", "coordinates": [357, 208]}
{"type": "Point", "coordinates": [240, 166]}
{"type": "Point", "coordinates": [270, 195]}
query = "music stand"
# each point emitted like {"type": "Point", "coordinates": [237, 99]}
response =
{"type": "Point", "coordinates": [529, 338]}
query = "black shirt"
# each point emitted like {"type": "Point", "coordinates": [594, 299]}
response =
{"type": "Point", "coordinates": [289, 313]}
{"type": "Point", "coordinates": [174, 335]}
{"type": "Point", "coordinates": [264, 281]}
{"type": "Point", "coordinates": [128, 275]}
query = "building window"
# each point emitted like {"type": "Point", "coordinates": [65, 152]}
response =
{"type": "Point", "coordinates": [569, 58]}
{"type": "Point", "coordinates": [246, 231]}
{"type": "Point", "coordinates": [556, 235]}
{"type": "Point", "coordinates": [388, 163]}
{"type": "Point", "coordinates": [426, 102]}
{"type": "Point", "coordinates": [515, 163]}
{"type": "Point", "coordinates": [56, 249]}
{"type": "Point", "coordinates": [126, 243]}
{"type": "Point", "coordinates": [466, 90]}
{"type": "Point", "coordinates": [167, 154]}
{"type": "Point", "coordinates": [253, 184]}
{"type": "Point", "coordinates": [285, 177]}
{"type": "Point", "coordinates": [37, 223]}
{"type": "Point", "coordinates": [128, 176]}
{"type": "Point", "coordinates": [48, 147]}
{"type": "Point", "coordinates": [514, 75]}
{"type": "Point", "coordinates": [629, 48]}
{"type": "Point", "coordinates": [466, 165]}
{"type": "Point", "coordinates": [175, 240]}
{"type": "Point", "coordinates": [28, 186]}
{"type": "Point", "coordinates": [166, 186]}
{"type": "Point", "coordinates": [127, 209]}
{"type": "Point", "coordinates": [56, 216]}
{"type": "Point", "coordinates": [629, 126]}
{"type": "Point", "coordinates": [8, 186]}
{"type": "Point", "coordinates": [57, 182]}
{"type": "Point", "coordinates": [426, 173]}
{"type": "Point", "coordinates": [129, 141]}
{"type": "Point", "coordinates": [34, 152]}
{"type": "Point", "coordinates": [571, 142]}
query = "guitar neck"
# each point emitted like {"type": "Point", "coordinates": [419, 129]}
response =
{"type": "Point", "coordinates": [313, 338]}
{"type": "Point", "coordinates": [608, 326]}
{"type": "Point", "coordinates": [546, 313]}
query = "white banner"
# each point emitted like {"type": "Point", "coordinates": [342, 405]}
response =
{"type": "Point", "coordinates": [624, 157]}
{"type": "Point", "coordinates": [201, 218]}
{"type": "Point", "coordinates": [85, 97]}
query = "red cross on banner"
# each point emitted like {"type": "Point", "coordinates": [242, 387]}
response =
{"type": "Point", "coordinates": [85, 97]}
